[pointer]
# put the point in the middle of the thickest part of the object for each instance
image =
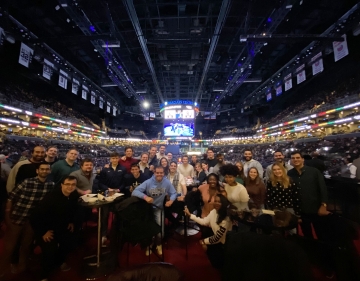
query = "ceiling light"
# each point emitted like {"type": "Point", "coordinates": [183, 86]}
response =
{"type": "Point", "coordinates": [57, 7]}
{"type": "Point", "coordinates": [146, 104]}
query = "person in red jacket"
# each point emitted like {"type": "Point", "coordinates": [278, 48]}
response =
{"type": "Point", "coordinates": [127, 160]}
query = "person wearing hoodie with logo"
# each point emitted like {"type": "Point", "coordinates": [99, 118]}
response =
{"type": "Point", "coordinates": [153, 191]}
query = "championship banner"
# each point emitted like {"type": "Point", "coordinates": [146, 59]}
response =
{"type": "Point", "coordinates": [47, 69]}
{"type": "Point", "coordinates": [318, 65]}
{"type": "Point", "coordinates": [300, 76]}
{"type": "Point", "coordinates": [268, 96]}
{"type": "Point", "coordinates": [340, 49]}
{"type": "Point", "coordinates": [93, 99]}
{"type": "Point", "coordinates": [114, 110]}
{"type": "Point", "coordinates": [84, 92]}
{"type": "Point", "coordinates": [75, 86]}
{"type": "Point", "coordinates": [101, 103]}
{"type": "Point", "coordinates": [288, 82]}
{"type": "Point", "coordinates": [63, 79]}
{"type": "Point", "coordinates": [108, 107]}
{"type": "Point", "coordinates": [278, 90]}
{"type": "Point", "coordinates": [25, 55]}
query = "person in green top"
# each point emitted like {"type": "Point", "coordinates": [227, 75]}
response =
{"type": "Point", "coordinates": [240, 178]}
{"type": "Point", "coordinates": [64, 168]}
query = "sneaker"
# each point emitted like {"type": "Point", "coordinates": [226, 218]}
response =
{"type": "Point", "coordinates": [148, 251]}
{"type": "Point", "coordinates": [65, 267]}
{"type": "Point", "coordinates": [159, 250]}
{"type": "Point", "coordinates": [103, 241]}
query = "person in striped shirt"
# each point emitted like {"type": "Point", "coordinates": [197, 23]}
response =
{"type": "Point", "coordinates": [220, 223]}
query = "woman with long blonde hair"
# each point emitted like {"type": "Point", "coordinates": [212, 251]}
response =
{"type": "Point", "coordinates": [282, 192]}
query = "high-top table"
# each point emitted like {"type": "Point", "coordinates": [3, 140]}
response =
{"type": "Point", "coordinates": [98, 265]}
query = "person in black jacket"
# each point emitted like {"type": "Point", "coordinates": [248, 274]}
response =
{"type": "Point", "coordinates": [111, 179]}
{"type": "Point", "coordinates": [53, 225]}
{"type": "Point", "coordinates": [133, 180]}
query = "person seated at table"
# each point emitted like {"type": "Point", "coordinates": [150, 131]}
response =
{"type": "Point", "coordinates": [153, 191]}
{"type": "Point", "coordinates": [165, 164]}
{"type": "Point", "coordinates": [133, 180]}
{"type": "Point", "coordinates": [53, 225]}
{"type": "Point", "coordinates": [282, 192]}
{"type": "Point", "coordinates": [208, 192]}
{"type": "Point", "coordinates": [199, 172]}
{"type": "Point", "coordinates": [240, 178]}
{"type": "Point", "coordinates": [219, 222]}
{"type": "Point", "coordinates": [256, 189]}
{"type": "Point", "coordinates": [236, 192]}
{"type": "Point", "coordinates": [110, 179]}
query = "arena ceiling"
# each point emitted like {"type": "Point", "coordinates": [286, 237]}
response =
{"type": "Point", "coordinates": [176, 50]}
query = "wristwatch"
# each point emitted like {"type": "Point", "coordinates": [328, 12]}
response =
{"type": "Point", "coordinates": [324, 204]}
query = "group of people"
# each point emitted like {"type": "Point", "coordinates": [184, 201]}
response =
{"type": "Point", "coordinates": [43, 193]}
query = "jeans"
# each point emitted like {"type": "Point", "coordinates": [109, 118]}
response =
{"type": "Point", "coordinates": [22, 234]}
{"type": "Point", "coordinates": [159, 219]}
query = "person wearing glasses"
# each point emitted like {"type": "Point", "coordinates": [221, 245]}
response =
{"type": "Point", "coordinates": [53, 224]}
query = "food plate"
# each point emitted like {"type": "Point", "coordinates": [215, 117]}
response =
{"type": "Point", "coordinates": [88, 197]}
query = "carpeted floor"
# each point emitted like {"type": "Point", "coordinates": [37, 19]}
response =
{"type": "Point", "coordinates": [195, 268]}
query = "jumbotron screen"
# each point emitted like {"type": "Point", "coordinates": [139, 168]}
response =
{"type": "Point", "coordinates": [177, 129]}
{"type": "Point", "coordinates": [179, 112]}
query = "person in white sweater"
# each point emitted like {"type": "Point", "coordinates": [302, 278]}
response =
{"type": "Point", "coordinates": [220, 223]}
{"type": "Point", "coordinates": [236, 192]}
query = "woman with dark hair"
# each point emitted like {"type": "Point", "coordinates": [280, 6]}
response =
{"type": "Point", "coordinates": [240, 178]}
{"type": "Point", "coordinates": [208, 192]}
{"type": "Point", "coordinates": [218, 220]}
{"type": "Point", "coordinates": [165, 164]}
{"type": "Point", "coordinates": [236, 192]}
{"type": "Point", "coordinates": [256, 189]}
{"type": "Point", "coordinates": [205, 168]}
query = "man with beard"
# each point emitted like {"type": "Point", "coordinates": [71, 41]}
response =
{"type": "Point", "coordinates": [193, 160]}
{"type": "Point", "coordinates": [279, 159]}
{"type": "Point", "coordinates": [220, 163]}
{"type": "Point", "coordinates": [161, 152]}
{"type": "Point", "coordinates": [84, 176]}
{"type": "Point", "coordinates": [250, 162]}
{"type": "Point", "coordinates": [22, 200]}
{"type": "Point", "coordinates": [25, 169]}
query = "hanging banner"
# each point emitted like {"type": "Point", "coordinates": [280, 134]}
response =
{"type": "Point", "coordinates": [63, 79]}
{"type": "Point", "coordinates": [278, 90]}
{"type": "Point", "coordinates": [25, 55]}
{"type": "Point", "coordinates": [108, 107]}
{"type": "Point", "coordinates": [47, 69]}
{"type": "Point", "coordinates": [93, 99]}
{"type": "Point", "coordinates": [268, 96]}
{"type": "Point", "coordinates": [288, 82]}
{"type": "Point", "coordinates": [300, 76]}
{"type": "Point", "coordinates": [75, 86]}
{"type": "Point", "coordinates": [114, 110]}
{"type": "Point", "coordinates": [340, 49]}
{"type": "Point", "coordinates": [84, 92]}
{"type": "Point", "coordinates": [318, 65]}
{"type": "Point", "coordinates": [101, 103]}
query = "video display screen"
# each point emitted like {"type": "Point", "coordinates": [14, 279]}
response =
{"type": "Point", "coordinates": [179, 114]}
{"type": "Point", "coordinates": [175, 129]}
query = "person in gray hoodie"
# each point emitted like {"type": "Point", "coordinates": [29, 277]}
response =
{"type": "Point", "coordinates": [153, 191]}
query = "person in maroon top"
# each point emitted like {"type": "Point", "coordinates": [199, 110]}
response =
{"type": "Point", "coordinates": [127, 160]}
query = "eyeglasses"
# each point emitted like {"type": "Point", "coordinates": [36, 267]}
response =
{"type": "Point", "coordinates": [70, 184]}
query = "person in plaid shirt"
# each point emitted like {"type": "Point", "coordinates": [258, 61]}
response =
{"type": "Point", "coordinates": [22, 200]}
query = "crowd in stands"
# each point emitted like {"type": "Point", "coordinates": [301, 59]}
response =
{"type": "Point", "coordinates": [12, 92]}
{"type": "Point", "coordinates": [315, 103]}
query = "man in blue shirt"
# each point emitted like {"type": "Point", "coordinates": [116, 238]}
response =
{"type": "Point", "coordinates": [153, 191]}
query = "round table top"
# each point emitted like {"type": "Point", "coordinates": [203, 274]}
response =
{"type": "Point", "coordinates": [96, 204]}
